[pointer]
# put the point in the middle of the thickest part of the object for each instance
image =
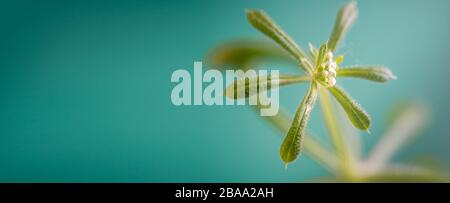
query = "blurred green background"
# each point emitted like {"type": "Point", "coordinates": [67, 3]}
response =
{"type": "Point", "coordinates": [85, 87]}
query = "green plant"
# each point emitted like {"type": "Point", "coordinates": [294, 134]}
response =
{"type": "Point", "coordinates": [322, 69]}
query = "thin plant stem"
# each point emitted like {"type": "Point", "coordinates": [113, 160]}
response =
{"type": "Point", "coordinates": [334, 131]}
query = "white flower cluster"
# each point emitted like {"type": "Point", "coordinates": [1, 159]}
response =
{"type": "Point", "coordinates": [327, 70]}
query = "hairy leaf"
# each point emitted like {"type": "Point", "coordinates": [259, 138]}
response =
{"type": "Point", "coordinates": [312, 146]}
{"type": "Point", "coordinates": [241, 87]}
{"type": "Point", "coordinates": [359, 118]}
{"type": "Point", "coordinates": [345, 18]}
{"type": "Point", "coordinates": [372, 73]}
{"type": "Point", "coordinates": [261, 21]}
{"type": "Point", "coordinates": [292, 144]}
{"type": "Point", "coordinates": [322, 53]}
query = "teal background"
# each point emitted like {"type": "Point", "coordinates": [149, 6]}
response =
{"type": "Point", "coordinates": [85, 87]}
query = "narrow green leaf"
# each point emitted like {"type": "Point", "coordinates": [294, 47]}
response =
{"type": "Point", "coordinates": [339, 59]}
{"type": "Point", "coordinates": [261, 21]}
{"type": "Point", "coordinates": [312, 146]}
{"type": "Point", "coordinates": [359, 118]}
{"type": "Point", "coordinates": [241, 87]}
{"type": "Point", "coordinates": [322, 52]}
{"type": "Point", "coordinates": [292, 144]}
{"type": "Point", "coordinates": [372, 73]}
{"type": "Point", "coordinates": [345, 18]}
{"type": "Point", "coordinates": [239, 54]}
{"type": "Point", "coordinates": [314, 52]}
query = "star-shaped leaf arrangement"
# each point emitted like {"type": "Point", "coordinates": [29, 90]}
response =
{"type": "Point", "coordinates": [322, 69]}
{"type": "Point", "coordinates": [346, 162]}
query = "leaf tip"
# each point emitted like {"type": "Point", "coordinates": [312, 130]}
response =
{"type": "Point", "coordinates": [393, 77]}
{"type": "Point", "coordinates": [252, 11]}
{"type": "Point", "coordinates": [358, 117]}
{"type": "Point", "coordinates": [352, 6]}
{"type": "Point", "coordinates": [389, 74]}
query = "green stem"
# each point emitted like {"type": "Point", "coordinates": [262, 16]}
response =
{"type": "Point", "coordinates": [335, 133]}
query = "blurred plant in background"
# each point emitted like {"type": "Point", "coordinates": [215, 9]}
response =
{"type": "Point", "coordinates": [345, 160]}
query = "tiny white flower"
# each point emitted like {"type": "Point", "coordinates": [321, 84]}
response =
{"type": "Point", "coordinates": [332, 73]}
{"type": "Point", "coordinates": [332, 66]}
{"type": "Point", "coordinates": [330, 55]}
{"type": "Point", "coordinates": [331, 81]}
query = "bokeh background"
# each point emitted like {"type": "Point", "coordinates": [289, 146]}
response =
{"type": "Point", "coordinates": [85, 87]}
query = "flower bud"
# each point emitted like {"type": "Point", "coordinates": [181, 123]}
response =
{"type": "Point", "coordinates": [332, 73]}
{"type": "Point", "coordinates": [331, 81]}
{"type": "Point", "coordinates": [330, 55]}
